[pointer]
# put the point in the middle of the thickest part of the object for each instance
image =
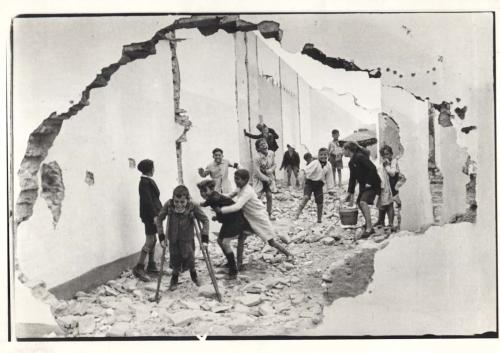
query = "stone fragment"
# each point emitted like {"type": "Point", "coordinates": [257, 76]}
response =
{"type": "Point", "coordinates": [282, 306]}
{"type": "Point", "coordinates": [250, 299]}
{"type": "Point", "coordinates": [206, 306]}
{"type": "Point", "coordinates": [266, 309]}
{"type": "Point", "coordinates": [240, 323]}
{"type": "Point", "coordinates": [207, 291]}
{"type": "Point", "coordinates": [328, 241]}
{"type": "Point", "coordinates": [288, 266]}
{"type": "Point", "coordinates": [67, 321]}
{"type": "Point", "coordinates": [184, 317]}
{"type": "Point", "coordinates": [240, 308]}
{"type": "Point", "coordinates": [268, 257]}
{"type": "Point", "coordinates": [86, 324]}
{"type": "Point", "coordinates": [60, 308]}
{"type": "Point", "coordinates": [221, 308]}
{"type": "Point", "coordinates": [254, 287]}
{"type": "Point", "coordinates": [297, 298]}
{"type": "Point", "coordinates": [189, 304]}
{"type": "Point", "coordinates": [118, 330]}
{"type": "Point", "coordinates": [110, 291]}
{"type": "Point", "coordinates": [123, 317]}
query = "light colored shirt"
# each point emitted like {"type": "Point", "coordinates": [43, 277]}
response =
{"type": "Point", "coordinates": [334, 149]}
{"type": "Point", "coordinates": [315, 171]}
{"type": "Point", "coordinates": [219, 174]}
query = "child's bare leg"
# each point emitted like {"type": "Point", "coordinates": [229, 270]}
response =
{"type": "Point", "coordinates": [296, 174]}
{"type": "Point", "coordinates": [340, 176]}
{"type": "Point", "coordinates": [302, 204]}
{"type": "Point", "coordinates": [365, 209]}
{"type": "Point", "coordinates": [334, 177]}
{"type": "Point", "coordinates": [239, 250]}
{"type": "Point", "coordinates": [381, 216]}
{"type": "Point", "coordinates": [269, 199]}
{"type": "Point", "coordinates": [280, 248]}
{"type": "Point", "coordinates": [289, 174]}
{"type": "Point", "coordinates": [319, 210]}
{"type": "Point", "coordinates": [399, 215]}
{"type": "Point", "coordinates": [390, 214]}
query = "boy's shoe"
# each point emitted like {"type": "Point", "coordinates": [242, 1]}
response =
{"type": "Point", "coordinates": [233, 271]}
{"type": "Point", "coordinates": [138, 271]}
{"type": "Point", "coordinates": [194, 278]}
{"type": "Point", "coordinates": [366, 234]}
{"type": "Point", "coordinates": [152, 268]}
{"type": "Point", "coordinates": [173, 282]}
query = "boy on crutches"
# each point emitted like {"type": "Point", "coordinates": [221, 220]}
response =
{"type": "Point", "coordinates": [182, 213]}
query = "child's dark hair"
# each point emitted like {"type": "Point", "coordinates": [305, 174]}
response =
{"type": "Point", "coordinates": [243, 174]}
{"type": "Point", "coordinates": [258, 142]}
{"type": "Point", "coordinates": [335, 131]}
{"type": "Point", "coordinates": [307, 156]}
{"type": "Point", "coordinates": [217, 150]}
{"type": "Point", "coordinates": [181, 191]}
{"type": "Point", "coordinates": [385, 148]}
{"type": "Point", "coordinates": [206, 184]}
{"type": "Point", "coordinates": [322, 149]}
{"type": "Point", "coordinates": [354, 148]}
{"type": "Point", "coordinates": [145, 166]}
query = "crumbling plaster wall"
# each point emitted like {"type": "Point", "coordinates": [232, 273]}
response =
{"type": "Point", "coordinates": [100, 223]}
{"type": "Point", "coordinates": [412, 117]}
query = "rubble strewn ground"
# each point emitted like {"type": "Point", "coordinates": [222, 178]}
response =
{"type": "Point", "coordinates": [271, 296]}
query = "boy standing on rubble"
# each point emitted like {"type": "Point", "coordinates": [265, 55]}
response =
{"type": "Point", "coordinates": [335, 156]}
{"type": "Point", "coordinates": [264, 180]}
{"type": "Point", "coordinates": [149, 207]}
{"type": "Point", "coordinates": [318, 173]}
{"type": "Point", "coordinates": [218, 171]}
{"type": "Point", "coordinates": [182, 213]}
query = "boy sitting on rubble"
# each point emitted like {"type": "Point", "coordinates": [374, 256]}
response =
{"type": "Point", "coordinates": [318, 172]}
{"type": "Point", "coordinates": [182, 213]}
{"type": "Point", "coordinates": [253, 210]}
{"type": "Point", "coordinates": [391, 181]}
{"type": "Point", "coordinates": [233, 225]}
{"type": "Point", "coordinates": [149, 206]}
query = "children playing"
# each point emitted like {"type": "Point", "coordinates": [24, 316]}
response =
{"type": "Point", "coordinates": [392, 180]}
{"type": "Point", "coordinates": [335, 156]}
{"type": "Point", "coordinates": [218, 171]}
{"type": "Point", "coordinates": [149, 207]}
{"type": "Point", "coordinates": [233, 224]}
{"type": "Point", "coordinates": [318, 173]}
{"type": "Point", "coordinates": [263, 178]}
{"type": "Point", "coordinates": [181, 212]}
{"type": "Point", "coordinates": [291, 163]}
{"type": "Point", "coordinates": [363, 171]}
{"type": "Point", "coordinates": [253, 210]}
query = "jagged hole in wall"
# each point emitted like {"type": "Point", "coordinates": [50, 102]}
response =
{"type": "Point", "coordinates": [131, 163]}
{"type": "Point", "coordinates": [53, 189]}
{"type": "Point", "coordinates": [89, 178]}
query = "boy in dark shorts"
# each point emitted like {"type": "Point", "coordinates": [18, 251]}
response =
{"type": "Point", "coordinates": [233, 224]}
{"type": "Point", "coordinates": [149, 207]}
{"type": "Point", "coordinates": [364, 172]}
{"type": "Point", "coordinates": [318, 173]}
{"type": "Point", "coordinates": [182, 213]}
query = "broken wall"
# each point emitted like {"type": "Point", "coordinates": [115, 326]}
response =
{"type": "Point", "coordinates": [411, 115]}
{"type": "Point", "coordinates": [99, 223]}
{"type": "Point", "coordinates": [450, 159]}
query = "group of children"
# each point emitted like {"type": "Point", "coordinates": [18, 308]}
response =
{"type": "Point", "coordinates": [244, 215]}
{"type": "Point", "coordinates": [242, 212]}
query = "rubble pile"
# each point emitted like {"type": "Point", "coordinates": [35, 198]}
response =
{"type": "Point", "coordinates": [271, 296]}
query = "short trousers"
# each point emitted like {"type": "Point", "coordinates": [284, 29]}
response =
{"type": "Point", "coordinates": [292, 168]}
{"type": "Point", "coordinates": [316, 187]}
{"type": "Point", "coordinates": [150, 228]}
{"type": "Point", "coordinates": [336, 163]}
{"type": "Point", "coordinates": [367, 196]}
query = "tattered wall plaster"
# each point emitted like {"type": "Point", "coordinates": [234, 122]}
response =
{"type": "Point", "coordinates": [289, 107]}
{"type": "Point", "coordinates": [389, 134]}
{"type": "Point", "coordinates": [109, 227]}
{"type": "Point", "coordinates": [53, 189]}
{"type": "Point", "coordinates": [451, 161]}
{"type": "Point", "coordinates": [412, 116]}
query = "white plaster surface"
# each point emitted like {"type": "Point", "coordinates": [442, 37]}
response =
{"type": "Point", "coordinates": [412, 117]}
{"type": "Point", "coordinates": [441, 282]}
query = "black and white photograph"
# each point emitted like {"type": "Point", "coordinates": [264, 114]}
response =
{"type": "Point", "coordinates": [252, 175]}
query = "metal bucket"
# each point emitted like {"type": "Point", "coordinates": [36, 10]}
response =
{"type": "Point", "coordinates": [348, 216]}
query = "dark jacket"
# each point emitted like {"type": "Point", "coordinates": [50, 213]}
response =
{"type": "Point", "coordinates": [149, 199]}
{"type": "Point", "coordinates": [364, 172]}
{"type": "Point", "coordinates": [293, 160]}
{"type": "Point", "coordinates": [271, 139]}
{"type": "Point", "coordinates": [233, 223]}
